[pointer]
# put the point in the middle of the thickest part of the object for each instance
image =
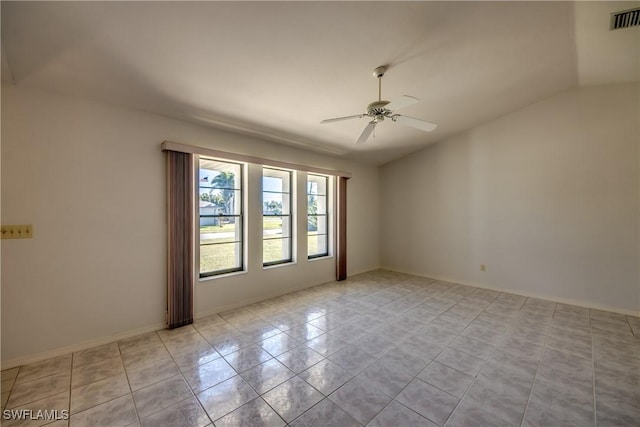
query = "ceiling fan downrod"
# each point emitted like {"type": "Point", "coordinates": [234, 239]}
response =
{"type": "Point", "coordinates": [379, 72]}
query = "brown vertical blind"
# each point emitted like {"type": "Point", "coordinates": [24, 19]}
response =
{"type": "Point", "coordinates": [180, 221]}
{"type": "Point", "coordinates": [341, 230]}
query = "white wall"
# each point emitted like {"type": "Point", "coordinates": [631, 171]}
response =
{"type": "Point", "coordinates": [90, 178]}
{"type": "Point", "coordinates": [547, 197]}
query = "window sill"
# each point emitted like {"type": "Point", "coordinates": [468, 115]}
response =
{"type": "Point", "coordinates": [221, 276]}
{"type": "Point", "coordinates": [319, 258]}
{"type": "Point", "coordinates": [284, 264]}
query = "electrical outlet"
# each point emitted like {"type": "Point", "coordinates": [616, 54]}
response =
{"type": "Point", "coordinates": [483, 267]}
{"type": "Point", "coordinates": [16, 231]}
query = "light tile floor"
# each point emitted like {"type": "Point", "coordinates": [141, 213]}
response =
{"type": "Point", "coordinates": [380, 349]}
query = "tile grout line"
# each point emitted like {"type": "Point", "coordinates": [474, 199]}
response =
{"type": "Point", "coordinates": [126, 375]}
{"type": "Point", "coordinates": [324, 397]}
{"type": "Point", "coordinates": [475, 378]}
{"type": "Point", "coordinates": [533, 384]}
{"type": "Point", "coordinates": [472, 381]}
{"type": "Point", "coordinates": [193, 393]}
{"type": "Point", "coordinates": [593, 372]}
{"type": "Point", "coordinates": [350, 379]}
{"type": "Point", "coordinates": [13, 386]}
{"type": "Point", "coordinates": [70, 389]}
{"type": "Point", "coordinates": [393, 399]}
{"type": "Point", "coordinates": [444, 348]}
{"type": "Point", "coordinates": [185, 379]}
{"type": "Point", "coordinates": [259, 395]}
{"type": "Point", "coordinates": [633, 333]}
{"type": "Point", "coordinates": [459, 334]}
{"type": "Point", "coordinates": [362, 370]}
{"type": "Point", "coordinates": [294, 376]}
{"type": "Point", "coordinates": [131, 392]}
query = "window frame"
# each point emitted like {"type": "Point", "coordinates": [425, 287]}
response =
{"type": "Point", "coordinates": [326, 215]}
{"type": "Point", "coordinates": [240, 218]}
{"type": "Point", "coordinates": [290, 216]}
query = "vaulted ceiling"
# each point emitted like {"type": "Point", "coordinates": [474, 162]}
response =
{"type": "Point", "coordinates": [276, 69]}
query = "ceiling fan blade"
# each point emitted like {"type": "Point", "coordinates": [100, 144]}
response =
{"type": "Point", "coordinates": [415, 123]}
{"type": "Point", "coordinates": [402, 102]}
{"type": "Point", "coordinates": [366, 132]}
{"type": "Point", "coordinates": [338, 119]}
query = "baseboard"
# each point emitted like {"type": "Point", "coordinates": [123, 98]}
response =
{"type": "Point", "coordinates": [248, 301]}
{"type": "Point", "coordinates": [61, 351]}
{"type": "Point", "coordinates": [25, 360]}
{"type": "Point", "coordinates": [580, 303]}
{"type": "Point", "coordinates": [361, 271]}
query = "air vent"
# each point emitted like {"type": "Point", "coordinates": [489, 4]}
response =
{"type": "Point", "coordinates": [625, 19]}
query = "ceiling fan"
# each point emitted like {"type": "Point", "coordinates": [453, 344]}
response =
{"type": "Point", "coordinates": [380, 109]}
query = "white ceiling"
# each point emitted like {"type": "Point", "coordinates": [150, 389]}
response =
{"type": "Point", "coordinates": [276, 69]}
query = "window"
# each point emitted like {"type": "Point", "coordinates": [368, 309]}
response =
{"type": "Point", "coordinates": [221, 217]}
{"type": "Point", "coordinates": [276, 216]}
{"type": "Point", "coordinates": [317, 216]}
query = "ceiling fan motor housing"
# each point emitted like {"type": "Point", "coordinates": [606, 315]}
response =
{"type": "Point", "coordinates": [377, 108]}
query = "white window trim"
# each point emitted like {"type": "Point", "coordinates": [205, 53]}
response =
{"type": "Point", "coordinates": [292, 219]}
{"type": "Point", "coordinates": [196, 240]}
